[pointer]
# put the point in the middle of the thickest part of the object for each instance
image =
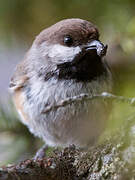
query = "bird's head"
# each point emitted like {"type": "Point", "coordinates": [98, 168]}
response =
{"type": "Point", "coordinates": [70, 49]}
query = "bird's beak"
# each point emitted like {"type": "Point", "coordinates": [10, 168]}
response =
{"type": "Point", "coordinates": [97, 46]}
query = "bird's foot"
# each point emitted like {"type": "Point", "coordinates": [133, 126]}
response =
{"type": "Point", "coordinates": [41, 153]}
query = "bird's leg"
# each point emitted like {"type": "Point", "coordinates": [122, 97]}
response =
{"type": "Point", "coordinates": [41, 153]}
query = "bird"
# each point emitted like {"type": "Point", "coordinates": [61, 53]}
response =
{"type": "Point", "coordinates": [65, 60]}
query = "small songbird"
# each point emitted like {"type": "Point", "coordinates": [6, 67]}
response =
{"type": "Point", "coordinates": [64, 61]}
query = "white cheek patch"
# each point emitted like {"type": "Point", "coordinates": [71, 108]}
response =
{"type": "Point", "coordinates": [63, 53]}
{"type": "Point", "coordinates": [59, 53]}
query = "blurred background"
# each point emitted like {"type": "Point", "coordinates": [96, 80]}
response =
{"type": "Point", "coordinates": [21, 21]}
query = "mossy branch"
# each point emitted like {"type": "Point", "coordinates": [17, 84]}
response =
{"type": "Point", "coordinates": [113, 159]}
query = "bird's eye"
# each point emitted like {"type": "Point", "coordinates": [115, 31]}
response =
{"type": "Point", "coordinates": [68, 40]}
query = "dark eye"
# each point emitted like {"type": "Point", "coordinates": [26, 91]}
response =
{"type": "Point", "coordinates": [68, 40]}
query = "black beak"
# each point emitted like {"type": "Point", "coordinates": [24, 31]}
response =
{"type": "Point", "coordinates": [97, 46]}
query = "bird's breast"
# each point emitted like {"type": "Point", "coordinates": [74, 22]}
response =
{"type": "Point", "coordinates": [76, 123]}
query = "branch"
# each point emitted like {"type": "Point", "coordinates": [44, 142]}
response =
{"type": "Point", "coordinates": [87, 97]}
{"type": "Point", "coordinates": [113, 159]}
{"type": "Point", "coordinates": [105, 161]}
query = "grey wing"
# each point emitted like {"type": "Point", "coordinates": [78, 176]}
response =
{"type": "Point", "coordinates": [19, 78]}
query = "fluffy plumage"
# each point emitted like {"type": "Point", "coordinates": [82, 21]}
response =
{"type": "Point", "coordinates": [52, 71]}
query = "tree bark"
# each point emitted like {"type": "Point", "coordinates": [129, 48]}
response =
{"type": "Point", "coordinates": [113, 159]}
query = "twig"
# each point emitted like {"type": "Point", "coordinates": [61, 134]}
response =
{"type": "Point", "coordinates": [84, 97]}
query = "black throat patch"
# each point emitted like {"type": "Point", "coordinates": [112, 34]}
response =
{"type": "Point", "coordinates": [87, 67]}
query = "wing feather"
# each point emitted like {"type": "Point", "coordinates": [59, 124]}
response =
{"type": "Point", "coordinates": [19, 78]}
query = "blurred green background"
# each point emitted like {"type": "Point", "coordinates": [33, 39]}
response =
{"type": "Point", "coordinates": [22, 20]}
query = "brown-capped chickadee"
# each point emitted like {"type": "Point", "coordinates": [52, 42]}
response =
{"type": "Point", "coordinates": [64, 61]}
